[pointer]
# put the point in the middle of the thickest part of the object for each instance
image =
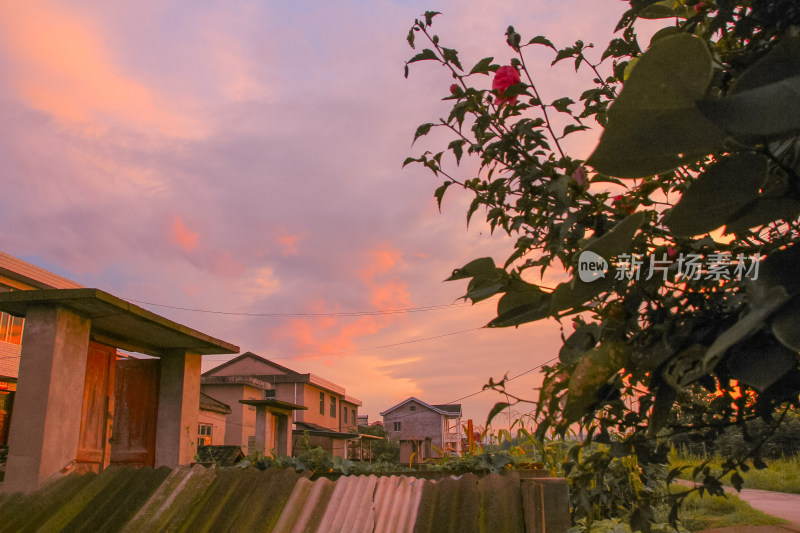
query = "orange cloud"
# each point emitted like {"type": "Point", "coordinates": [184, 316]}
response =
{"type": "Point", "coordinates": [288, 244]}
{"type": "Point", "coordinates": [319, 337]}
{"type": "Point", "coordinates": [183, 236]}
{"type": "Point", "coordinates": [64, 68]}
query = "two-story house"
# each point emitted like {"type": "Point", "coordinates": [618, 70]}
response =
{"type": "Point", "coordinates": [423, 430]}
{"type": "Point", "coordinates": [329, 417]}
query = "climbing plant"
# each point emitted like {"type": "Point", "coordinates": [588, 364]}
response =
{"type": "Point", "coordinates": [679, 232]}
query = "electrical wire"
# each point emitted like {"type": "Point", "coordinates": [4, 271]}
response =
{"type": "Point", "coordinates": [311, 315]}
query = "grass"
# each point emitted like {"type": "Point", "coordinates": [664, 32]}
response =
{"type": "Point", "coordinates": [781, 475]}
{"type": "Point", "coordinates": [705, 512]}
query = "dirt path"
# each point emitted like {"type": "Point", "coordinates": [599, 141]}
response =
{"type": "Point", "coordinates": [780, 504]}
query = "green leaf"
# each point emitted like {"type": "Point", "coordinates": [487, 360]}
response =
{"type": "Point", "coordinates": [482, 288]}
{"type": "Point", "coordinates": [479, 267]}
{"type": "Point", "coordinates": [439, 194]}
{"type": "Point", "coordinates": [654, 125]}
{"type": "Point", "coordinates": [423, 130]}
{"type": "Point", "coordinates": [522, 303]}
{"type": "Point", "coordinates": [498, 408]}
{"type": "Point", "coordinates": [457, 147]}
{"type": "Point", "coordinates": [410, 160]}
{"type": "Point", "coordinates": [718, 195]}
{"type": "Point", "coordinates": [760, 361]}
{"type": "Point", "coordinates": [764, 113]}
{"type": "Point", "coordinates": [562, 104]}
{"type": "Point", "coordinates": [451, 56]}
{"type": "Point", "coordinates": [664, 32]}
{"type": "Point", "coordinates": [780, 63]}
{"type": "Point", "coordinates": [764, 211]}
{"type": "Point", "coordinates": [541, 39]}
{"type": "Point", "coordinates": [786, 325]}
{"type": "Point", "coordinates": [592, 372]}
{"type": "Point", "coordinates": [410, 37]}
{"type": "Point", "coordinates": [484, 66]}
{"type": "Point", "coordinates": [424, 55]}
{"type": "Point", "coordinates": [571, 128]}
{"type": "Point", "coordinates": [429, 16]}
{"type": "Point", "coordinates": [659, 10]}
{"type": "Point", "coordinates": [563, 54]}
{"type": "Point", "coordinates": [737, 481]}
{"type": "Point", "coordinates": [574, 293]}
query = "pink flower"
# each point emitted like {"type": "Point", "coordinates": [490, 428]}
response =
{"type": "Point", "coordinates": [701, 6]}
{"type": "Point", "coordinates": [504, 78]}
{"type": "Point", "coordinates": [580, 177]}
{"type": "Point", "coordinates": [454, 88]}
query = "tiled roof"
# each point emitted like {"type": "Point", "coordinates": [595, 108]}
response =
{"type": "Point", "coordinates": [207, 403]}
{"type": "Point", "coordinates": [219, 455]}
{"type": "Point", "coordinates": [319, 430]}
{"type": "Point", "coordinates": [282, 501]}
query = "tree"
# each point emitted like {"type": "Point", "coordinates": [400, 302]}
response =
{"type": "Point", "coordinates": [680, 231]}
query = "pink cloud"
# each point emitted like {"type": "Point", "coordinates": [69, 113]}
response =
{"type": "Point", "coordinates": [288, 244]}
{"type": "Point", "coordinates": [183, 236]}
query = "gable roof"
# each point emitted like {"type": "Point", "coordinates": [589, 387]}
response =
{"type": "Point", "coordinates": [453, 409]}
{"type": "Point", "coordinates": [250, 355]}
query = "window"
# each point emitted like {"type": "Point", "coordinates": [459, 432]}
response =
{"type": "Point", "coordinates": [204, 434]}
{"type": "Point", "coordinates": [322, 403]}
{"type": "Point", "coordinates": [251, 444]}
{"type": "Point", "coordinates": [355, 419]}
{"type": "Point", "coordinates": [344, 413]}
{"type": "Point", "coordinates": [412, 407]}
{"type": "Point", "coordinates": [11, 328]}
{"type": "Point", "coordinates": [397, 426]}
{"type": "Point", "coordinates": [333, 406]}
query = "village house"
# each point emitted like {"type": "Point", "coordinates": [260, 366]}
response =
{"type": "Point", "coordinates": [423, 430]}
{"type": "Point", "coordinates": [320, 408]}
{"type": "Point", "coordinates": [74, 391]}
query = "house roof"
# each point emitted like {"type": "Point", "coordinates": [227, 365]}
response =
{"type": "Point", "coordinates": [314, 429]}
{"type": "Point", "coordinates": [278, 404]}
{"type": "Point", "coordinates": [118, 323]}
{"type": "Point", "coordinates": [450, 409]}
{"type": "Point", "coordinates": [249, 355]}
{"type": "Point", "coordinates": [219, 455]}
{"type": "Point", "coordinates": [234, 499]}
{"type": "Point", "coordinates": [286, 375]}
{"type": "Point", "coordinates": [31, 275]}
{"type": "Point", "coordinates": [207, 403]}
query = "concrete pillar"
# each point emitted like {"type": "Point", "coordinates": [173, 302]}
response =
{"type": "Point", "coordinates": [283, 437]}
{"type": "Point", "coordinates": [262, 419]}
{"type": "Point", "coordinates": [45, 428]}
{"type": "Point", "coordinates": [178, 408]}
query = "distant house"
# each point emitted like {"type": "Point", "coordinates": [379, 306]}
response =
{"type": "Point", "coordinates": [212, 421]}
{"type": "Point", "coordinates": [325, 412]}
{"type": "Point", "coordinates": [423, 428]}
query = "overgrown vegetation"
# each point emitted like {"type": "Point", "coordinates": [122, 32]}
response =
{"type": "Point", "coordinates": [675, 328]}
{"type": "Point", "coordinates": [781, 474]}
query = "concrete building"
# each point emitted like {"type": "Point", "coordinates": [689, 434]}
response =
{"type": "Point", "coordinates": [17, 275]}
{"type": "Point", "coordinates": [323, 409]}
{"type": "Point", "coordinates": [423, 430]}
{"type": "Point", "coordinates": [73, 391]}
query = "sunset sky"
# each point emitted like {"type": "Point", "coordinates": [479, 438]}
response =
{"type": "Point", "coordinates": [245, 157]}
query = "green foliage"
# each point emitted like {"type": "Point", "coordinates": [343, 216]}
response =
{"type": "Point", "coordinates": [701, 131]}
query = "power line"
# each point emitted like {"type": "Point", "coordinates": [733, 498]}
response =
{"type": "Point", "coordinates": [412, 341]}
{"type": "Point", "coordinates": [311, 315]}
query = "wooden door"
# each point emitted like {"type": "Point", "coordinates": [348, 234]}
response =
{"type": "Point", "coordinates": [136, 412]}
{"type": "Point", "coordinates": [97, 413]}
